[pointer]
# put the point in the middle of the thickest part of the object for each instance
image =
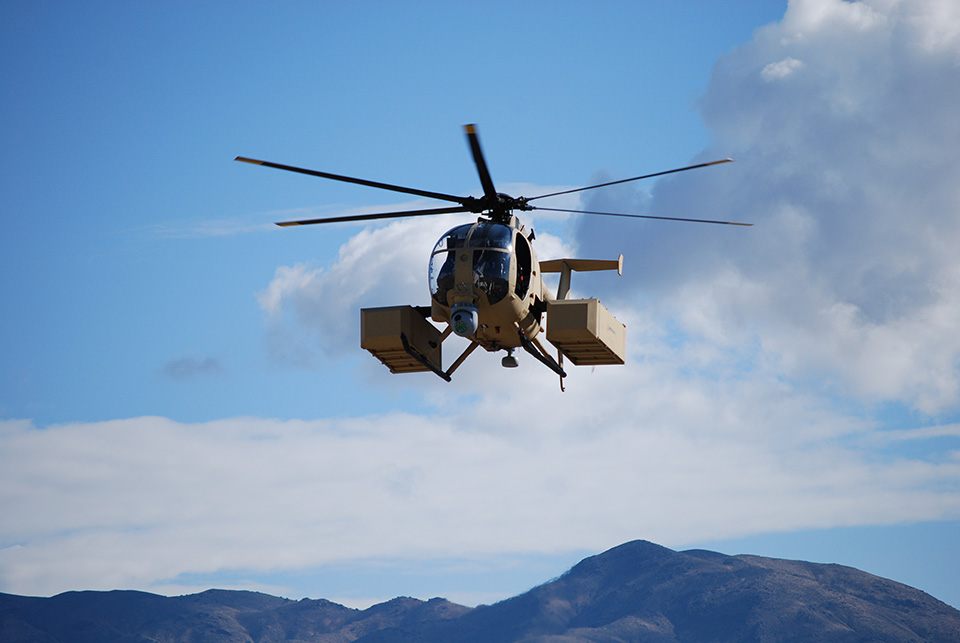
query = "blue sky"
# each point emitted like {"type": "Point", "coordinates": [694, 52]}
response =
{"type": "Point", "coordinates": [183, 401]}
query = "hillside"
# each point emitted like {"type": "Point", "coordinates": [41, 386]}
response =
{"type": "Point", "coordinates": [635, 592]}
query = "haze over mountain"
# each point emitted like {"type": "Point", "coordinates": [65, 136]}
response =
{"type": "Point", "coordinates": [638, 591]}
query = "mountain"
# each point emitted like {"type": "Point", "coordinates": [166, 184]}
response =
{"type": "Point", "coordinates": [214, 616]}
{"type": "Point", "coordinates": [643, 592]}
{"type": "Point", "coordinates": [638, 591]}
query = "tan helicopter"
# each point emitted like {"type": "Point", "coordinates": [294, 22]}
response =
{"type": "Point", "coordinates": [486, 284]}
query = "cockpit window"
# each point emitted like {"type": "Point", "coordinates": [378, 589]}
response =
{"type": "Point", "coordinates": [491, 235]}
{"type": "Point", "coordinates": [454, 238]}
{"type": "Point", "coordinates": [491, 273]}
{"type": "Point", "coordinates": [490, 245]}
{"type": "Point", "coordinates": [442, 262]}
{"type": "Point", "coordinates": [524, 266]}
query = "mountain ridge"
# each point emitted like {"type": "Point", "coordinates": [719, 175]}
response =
{"type": "Point", "coordinates": [637, 591]}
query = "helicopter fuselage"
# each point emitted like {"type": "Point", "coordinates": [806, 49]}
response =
{"type": "Point", "coordinates": [485, 282]}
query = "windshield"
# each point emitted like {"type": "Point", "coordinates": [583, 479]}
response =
{"type": "Point", "coordinates": [491, 273]}
{"type": "Point", "coordinates": [490, 245]}
{"type": "Point", "coordinates": [491, 235]}
{"type": "Point", "coordinates": [442, 262]}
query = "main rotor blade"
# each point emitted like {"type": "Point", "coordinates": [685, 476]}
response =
{"type": "Point", "coordinates": [642, 216]}
{"type": "Point", "coordinates": [349, 179]}
{"type": "Point", "coordinates": [488, 190]}
{"type": "Point", "coordinates": [636, 178]}
{"type": "Point", "coordinates": [377, 215]}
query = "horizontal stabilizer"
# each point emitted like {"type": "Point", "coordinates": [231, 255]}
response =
{"type": "Point", "coordinates": [583, 265]}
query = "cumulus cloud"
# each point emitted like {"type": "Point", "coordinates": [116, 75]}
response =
{"type": "Point", "coordinates": [842, 120]}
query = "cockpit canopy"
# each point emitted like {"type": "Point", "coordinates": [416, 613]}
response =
{"type": "Point", "coordinates": [487, 246]}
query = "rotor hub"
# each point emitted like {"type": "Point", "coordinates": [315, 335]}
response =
{"type": "Point", "coordinates": [499, 208]}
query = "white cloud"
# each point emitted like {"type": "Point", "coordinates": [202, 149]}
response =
{"type": "Point", "coordinates": [651, 450]}
{"type": "Point", "coordinates": [849, 171]}
{"type": "Point", "coordinates": [781, 69]}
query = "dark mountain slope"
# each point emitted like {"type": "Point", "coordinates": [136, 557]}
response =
{"type": "Point", "coordinates": [213, 616]}
{"type": "Point", "coordinates": [643, 592]}
{"type": "Point", "coordinates": [127, 616]}
{"type": "Point", "coordinates": [635, 592]}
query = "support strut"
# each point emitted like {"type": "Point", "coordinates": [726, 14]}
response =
{"type": "Point", "coordinates": [417, 355]}
{"type": "Point", "coordinates": [541, 356]}
{"type": "Point", "coordinates": [420, 357]}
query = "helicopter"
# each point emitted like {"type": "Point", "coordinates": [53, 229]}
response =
{"type": "Point", "coordinates": [486, 283]}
